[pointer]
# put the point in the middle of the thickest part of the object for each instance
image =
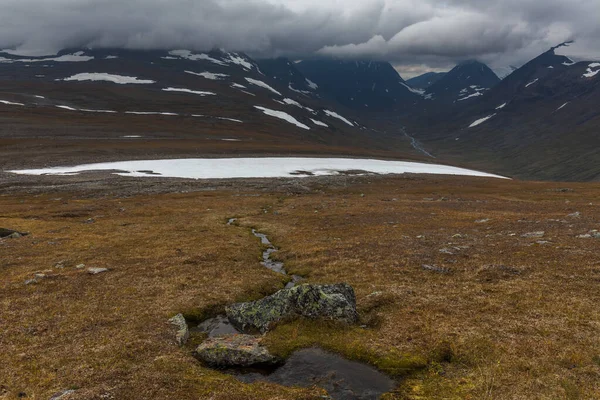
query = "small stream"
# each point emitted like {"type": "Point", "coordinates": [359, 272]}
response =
{"type": "Point", "coordinates": [343, 379]}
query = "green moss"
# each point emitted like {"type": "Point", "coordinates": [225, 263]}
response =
{"type": "Point", "coordinates": [350, 342]}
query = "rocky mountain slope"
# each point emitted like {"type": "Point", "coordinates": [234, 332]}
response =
{"type": "Point", "coordinates": [541, 122]}
{"type": "Point", "coordinates": [360, 85]}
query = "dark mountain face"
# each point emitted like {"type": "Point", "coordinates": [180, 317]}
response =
{"type": "Point", "coordinates": [426, 80]}
{"type": "Point", "coordinates": [540, 122]}
{"type": "Point", "coordinates": [465, 82]}
{"type": "Point", "coordinates": [285, 73]}
{"type": "Point", "coordinates": [170, 94]}
{"type": "Point", "coordinates": [359, 85]}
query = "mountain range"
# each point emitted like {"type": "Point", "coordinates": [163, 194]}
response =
{"type": "Point", "coordinates": [540, 122]}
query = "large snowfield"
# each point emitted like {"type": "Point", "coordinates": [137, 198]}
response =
{"type": "Point", "coordinates": [269, 167]}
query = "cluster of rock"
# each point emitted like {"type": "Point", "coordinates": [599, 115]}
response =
{"type": "Point", "coordinates": [330, 302]}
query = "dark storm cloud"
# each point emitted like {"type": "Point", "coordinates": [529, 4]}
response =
{"type": "Point", "coordinates": [405, 32]}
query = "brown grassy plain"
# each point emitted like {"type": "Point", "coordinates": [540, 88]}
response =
{"type": "Point", "coordinates": [510, 318]}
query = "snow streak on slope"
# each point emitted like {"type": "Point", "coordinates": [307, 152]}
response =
{"type": "Point", "coordinates": [563, 106]}
{"type": "Point", "coordinates": [284, 116]}
{"type": "Point", "coordinates": [200, 93]}
{"type": "Point", "coordinates": [119, 79]}
{"type": "Point", "coordinates": [270, 167]}
{"type": "Point", "coordinates": [208, 75]}
{"type": "Point", "coordinates": [501, 106]}
{"type": "Point", "coordinates": [319, 123]}
{"type": "Point", "coordinates": [338, 116]}
{"type": "Point", "coordinates": [311, 84]}
{"type": "Point", "coordinates": [263, 85]}
{"type": "Point", "coordinates": [532, 82]}
{"type": "Point", "coordinates": [11, 103]}
{"type": "Point", "coordinates": [481, 121]}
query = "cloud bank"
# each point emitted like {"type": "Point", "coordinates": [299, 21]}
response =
{"type": "Point", "coordinates": [404, 32]}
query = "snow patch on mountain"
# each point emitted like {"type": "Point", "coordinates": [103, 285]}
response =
{"type": "Point", "coordinates": [481, 121]}
{"type": "Point", "coordinates": [236, 59]}
{"type": "Point", "coordinates": [75, 57]}
{"type": "Point", "coordinates": [295, 103]}
{"type": "Point", "coordinates": [591, 71]}
{"type": "Point", "coordinates": [188, 55]}
{"type": "Point", "coordinates": [501, 106]}
{"type": "Point", "coordinates": [208, 75]}
{"type": "Point", "coordinates": [319, 123]}
{"type": "Point", "coordinates": [263, 85]}
{"type": "Point", "coordinates": [476, 94]}
{"type": "Point", "coordinates": [200, 93]}
{"type": "Point", "coordinates": [563, 106]}
{"type": "Point", "coordinates": [119, 79]}
{"type": "Point", "coordinates": [338, 116]}
{"type": "Point", "coordinates": [532, 82]}
{"type": "Point", "coordinates": [11, 103]}
{"type": "Point", "coordinates": [311, 84]}
{"type": "Point", "coordinates": [282, 115]}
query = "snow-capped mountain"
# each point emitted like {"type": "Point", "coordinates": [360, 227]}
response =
{"type": "Point", "coordinates": [466, 81]}
{"type": "Point", "coordinates": [540, 122]}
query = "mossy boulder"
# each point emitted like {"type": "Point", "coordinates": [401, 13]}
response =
{"type": "Point", "coordinates": [235, 351]}
{"type": "Point", "coordinates": [332, 302]}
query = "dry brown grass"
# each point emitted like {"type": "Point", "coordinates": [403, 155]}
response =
{"type": "Point", "coordinates": [513, 319]}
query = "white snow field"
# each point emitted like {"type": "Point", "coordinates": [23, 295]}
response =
{"type": "Point", "coordinates": [284, 116]}
{"type": "Point", "coordinates": [269, 167]}
{"type": "Point", "coordinates": [481, 121]}
{"type": "Point", "coordinates": [263, 85]}
{"type": "Point", "coordinates": [501, 106]}
{"type": "Point", "coordinates": [119, 79]}
{"type": "Point", "coordinates": [189, 91]}
{"type": "Point", "coordinates": [338, 116]}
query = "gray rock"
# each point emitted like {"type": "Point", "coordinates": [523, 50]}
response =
{"type": "Point", "coordinates": [80, 266]}
{"type": "Point", "coordinates": [96, 271]}
{"type": "Point", "coordinates": [62, 395]}
{"type": "Point", "coordinates": [538, 234]}
{"type": "Point", "coordinates": [436, 269]}
{"type": "Point", "coordinates": [235, 351]}
{"type": "Point", "coordinates": [575, 215]}
{"type": "Point", "coordinates": [183, 333]}
{"type": "Point", "coordinates": [332, 302]}
{"type": "Point", "coordinates": [31, 281]}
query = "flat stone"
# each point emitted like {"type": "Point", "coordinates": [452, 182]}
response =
{"type": "Point", "coordinates": [332, 302]}
{"type": "Point", "coordinates": [62, 395]}
{"type": "Point", "coordinates": [96, 271]}
{"type": "Point", "coordinates": [80, 266]}
{"type": "Point", "coordinates": [183, 333]}
{"type": "Point", "coordinates": [235, 351]}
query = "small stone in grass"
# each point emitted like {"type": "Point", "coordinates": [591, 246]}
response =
{"type": "Point", "coordinates": [80, 266]}
{"type": "Point", "coordinates": [96, 271]}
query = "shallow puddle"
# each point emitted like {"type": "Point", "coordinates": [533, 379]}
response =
{"type": "Point", "coordinates": [216, 327]}
{"type": "Point", "coordinates": [343, 379]}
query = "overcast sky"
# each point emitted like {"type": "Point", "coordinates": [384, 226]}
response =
{"type": "Point", "coordinates": [415, 35]}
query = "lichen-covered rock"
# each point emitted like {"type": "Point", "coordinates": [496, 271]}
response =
{"type": "Point", "coordinates": [183, 332]}
{"type": "Point", "coordinates": [9, 233]}
{"type": "Point", "coordinates": [333, 302]}
{"type": "Point", "coordinates": [235, 351]}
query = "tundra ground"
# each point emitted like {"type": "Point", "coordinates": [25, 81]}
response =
{"type": "Point", "coordinates": [461, 295]}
